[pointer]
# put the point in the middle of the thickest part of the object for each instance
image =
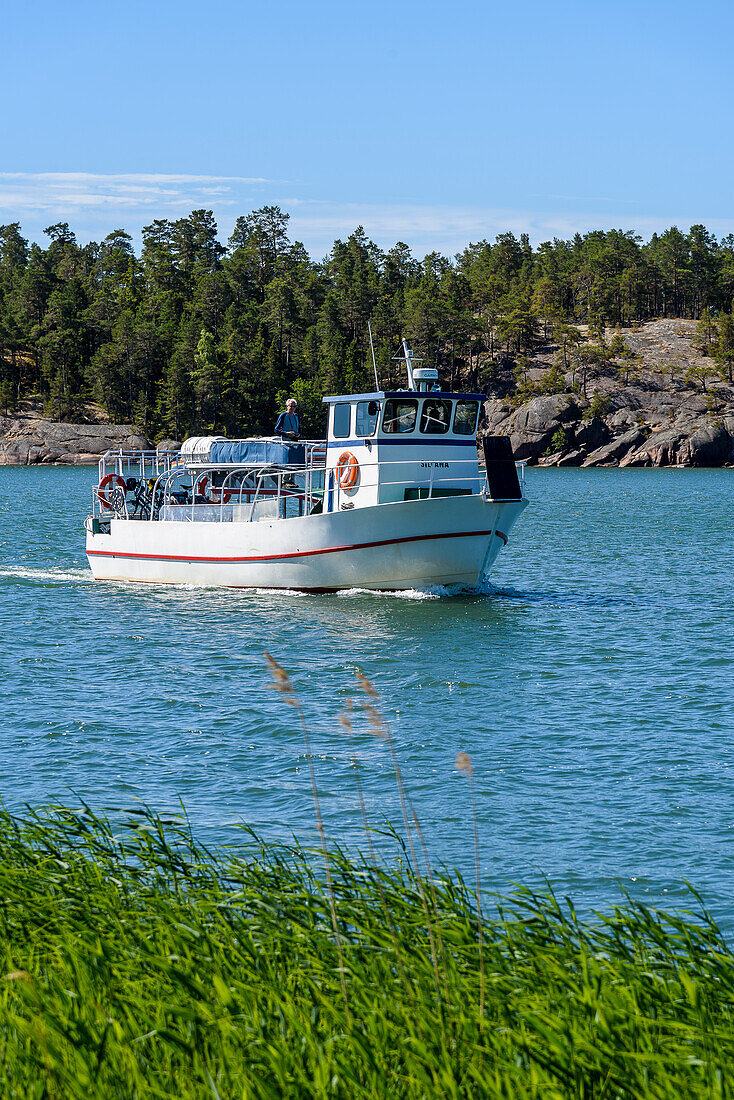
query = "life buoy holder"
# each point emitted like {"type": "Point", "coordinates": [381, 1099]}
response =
{"type": "Point", "coordinates": [347, 470]}
{"type": "Point", "coordinates": [105, 483]}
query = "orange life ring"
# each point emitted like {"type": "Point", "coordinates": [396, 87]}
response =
{"type": "Point", "coordinates": [202, 489]}
{"type": "Point", "coordinates": [212, 495]}
{"type": "Point", "coordinates": [347, 469]}
{"type": "Point", "coordinates": [107, 480]}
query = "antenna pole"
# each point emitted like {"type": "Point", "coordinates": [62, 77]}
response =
{"type": "Point", "coordinates": [374, 363]}
{"type": "Point", "coordinates": [409, 364]}
{"type": "Point", "coordinates": [410, 359]}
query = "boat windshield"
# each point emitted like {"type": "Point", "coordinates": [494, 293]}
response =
{"type": "Point", "coordinates": [465, 417]}
{"type": "Point", "coordinates": [436, 417]}
{"type": "Point", "coordinates": [400, 415]}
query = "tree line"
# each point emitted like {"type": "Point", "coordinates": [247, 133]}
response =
{"type": "Point", "coordinates": [194, 336]}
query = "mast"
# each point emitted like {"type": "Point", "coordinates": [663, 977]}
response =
{"type": "Point", "coordinates": [374, 363]}
{"type": "Point", "coordinates": [409, 359]}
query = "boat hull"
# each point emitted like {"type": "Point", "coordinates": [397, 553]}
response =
{"type": "Point", "coordinates": [416, 544]}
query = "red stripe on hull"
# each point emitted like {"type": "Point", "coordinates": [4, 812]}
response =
{"type": "Point", "coordinates": [293, 554]}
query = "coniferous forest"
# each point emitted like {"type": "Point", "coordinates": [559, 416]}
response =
{"type": "Point", "coordinates": [193, 336]}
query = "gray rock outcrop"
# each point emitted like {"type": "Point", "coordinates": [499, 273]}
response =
{"type": "Point", "coordinates": [34, 441]}
{"type": "Point", "coordinates": [591, 434]}
{"type": "Point", "coordinates": [611, 453]}
{"type": "Point", "coordinates": [710, 445]}
{"type": "Point", "coordinates": [531, 428]}
{"type": "Point", "coordinates": [660, 449]}
{"type": "Point", "coordinates": [669, 406]}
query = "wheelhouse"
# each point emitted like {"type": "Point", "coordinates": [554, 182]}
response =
{"type": "Point", "coordinates": [385, 414]}
{"type": "Point", "coordinates": [407, 444]}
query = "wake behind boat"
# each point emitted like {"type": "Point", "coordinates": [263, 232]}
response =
{"type": "Point", "coordinates": [393, 499]}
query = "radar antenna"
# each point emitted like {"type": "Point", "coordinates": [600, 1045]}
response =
{"type": "Point", "coordinates": [418, 377]}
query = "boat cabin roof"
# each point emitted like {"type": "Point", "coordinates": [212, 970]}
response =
{"type": "Point", "coordinates": [380, 395]}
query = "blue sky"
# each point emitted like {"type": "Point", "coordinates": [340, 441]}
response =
{"type": "Point", "coordinates": [434, 124]}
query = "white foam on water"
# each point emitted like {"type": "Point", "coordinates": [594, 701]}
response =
{"type": "Point", "coordinates": [402, 594]}
{"type": "Point", "coordinates": [23, 573]}
{"type": "Point", "coordinates": [430, 592]}
{"type": "Point", "coordinates": [84, 576]}
{"type": "Point", "coordinates": [231, 591]}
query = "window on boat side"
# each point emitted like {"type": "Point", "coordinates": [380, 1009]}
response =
{"type": "Point", "coordinates": [465, 417]}
{"type": "Point", "coordinates": [367, 414]}
{"type": "Point", "coordinates": [341, 421]}
{"type": "Point", "coordinates": [400, 416]}
{"type": "Point", "coordinates": [436, 417]}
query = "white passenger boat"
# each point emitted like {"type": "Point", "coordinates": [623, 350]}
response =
{"type": "Point", "coordinates": [394, 498]}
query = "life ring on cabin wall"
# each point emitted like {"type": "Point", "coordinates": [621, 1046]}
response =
{"type": "Point", "coordinates": [213, 495]}
{"type": "Point", "coordinates": [107, 481]}
{"type": "Point", "coordinates": [347, 470]}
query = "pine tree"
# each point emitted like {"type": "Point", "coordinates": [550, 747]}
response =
{"type": "Point", "coordinates": [725, 345]}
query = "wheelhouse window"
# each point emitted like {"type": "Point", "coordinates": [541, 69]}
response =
{"type": "Point", "coordinates": [341, 421]}
{"type": "Point", "coordinates": [436, 417]}
{"type": "Point", "coordinates": [465, 417]}
{"type": "Point", "coordinates": [400, 416]}
{"type": "Point", "coordinates": [367, 416]}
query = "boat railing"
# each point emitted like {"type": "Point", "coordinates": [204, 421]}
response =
{"type": "Point", "coordinates": [248, 492]}
{"type": "Point", "coordinates": [156, 470]}
{"type": "Point", "coordinates": [147, 464]}
{"type": "Point", "coordinates": [136, 463]}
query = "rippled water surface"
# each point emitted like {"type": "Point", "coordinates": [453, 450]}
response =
{"type": "Point", "coordinates": [591, 683]}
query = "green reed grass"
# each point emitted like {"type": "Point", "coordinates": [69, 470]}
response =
{"type": "Point", "coordinates": [139, 964]}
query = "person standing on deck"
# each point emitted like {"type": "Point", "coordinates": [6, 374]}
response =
{"type": "Point", "coordinates": [288, 426]}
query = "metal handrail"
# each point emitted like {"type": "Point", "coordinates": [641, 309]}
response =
{"type": "Point", "coordinates": [165, 478]}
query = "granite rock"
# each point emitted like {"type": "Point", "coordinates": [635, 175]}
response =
{"type": "Point", "coordinates": [710, 445]}
{"type": "Point", "coordinates": [591, 434]}
{"type": "Point", "coordinates": [659, 449]}
{"type": "Point", "coordinates": [611, 453]}
{"type": "Point", "coordinates": [532, 427]}
{"type": "Point", "coordinates": [35, 441]}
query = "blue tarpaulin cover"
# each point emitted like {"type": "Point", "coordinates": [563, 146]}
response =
{"type": "Point", "coordinates": [257, 452]}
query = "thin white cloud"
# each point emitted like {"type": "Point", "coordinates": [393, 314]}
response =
{"type": "Point", "coordinates": [94, 203]}
{"type": "Point", "coordinates": [75, 194]}
{"type": "Point", "coordinates": [127, 177]}
{"type": "Point", "coordinates": [450, 229]}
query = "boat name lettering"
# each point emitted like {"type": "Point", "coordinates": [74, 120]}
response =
{"type": "Point", "coordinates": [436, 465]}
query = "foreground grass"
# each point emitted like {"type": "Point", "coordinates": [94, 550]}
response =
{"type": "Point", "coordinates": [137, 964]}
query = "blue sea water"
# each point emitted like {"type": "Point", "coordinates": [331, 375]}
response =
{"type": "Point", "coordinates": [592, 684]}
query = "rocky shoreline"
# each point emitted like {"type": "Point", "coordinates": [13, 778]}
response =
{"type": "Point", "coordinates": [656, 419]}
{"type": "Point", "coordinates": [558, 431]}
{"type": "Point", "coordinates": [33, 440]}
